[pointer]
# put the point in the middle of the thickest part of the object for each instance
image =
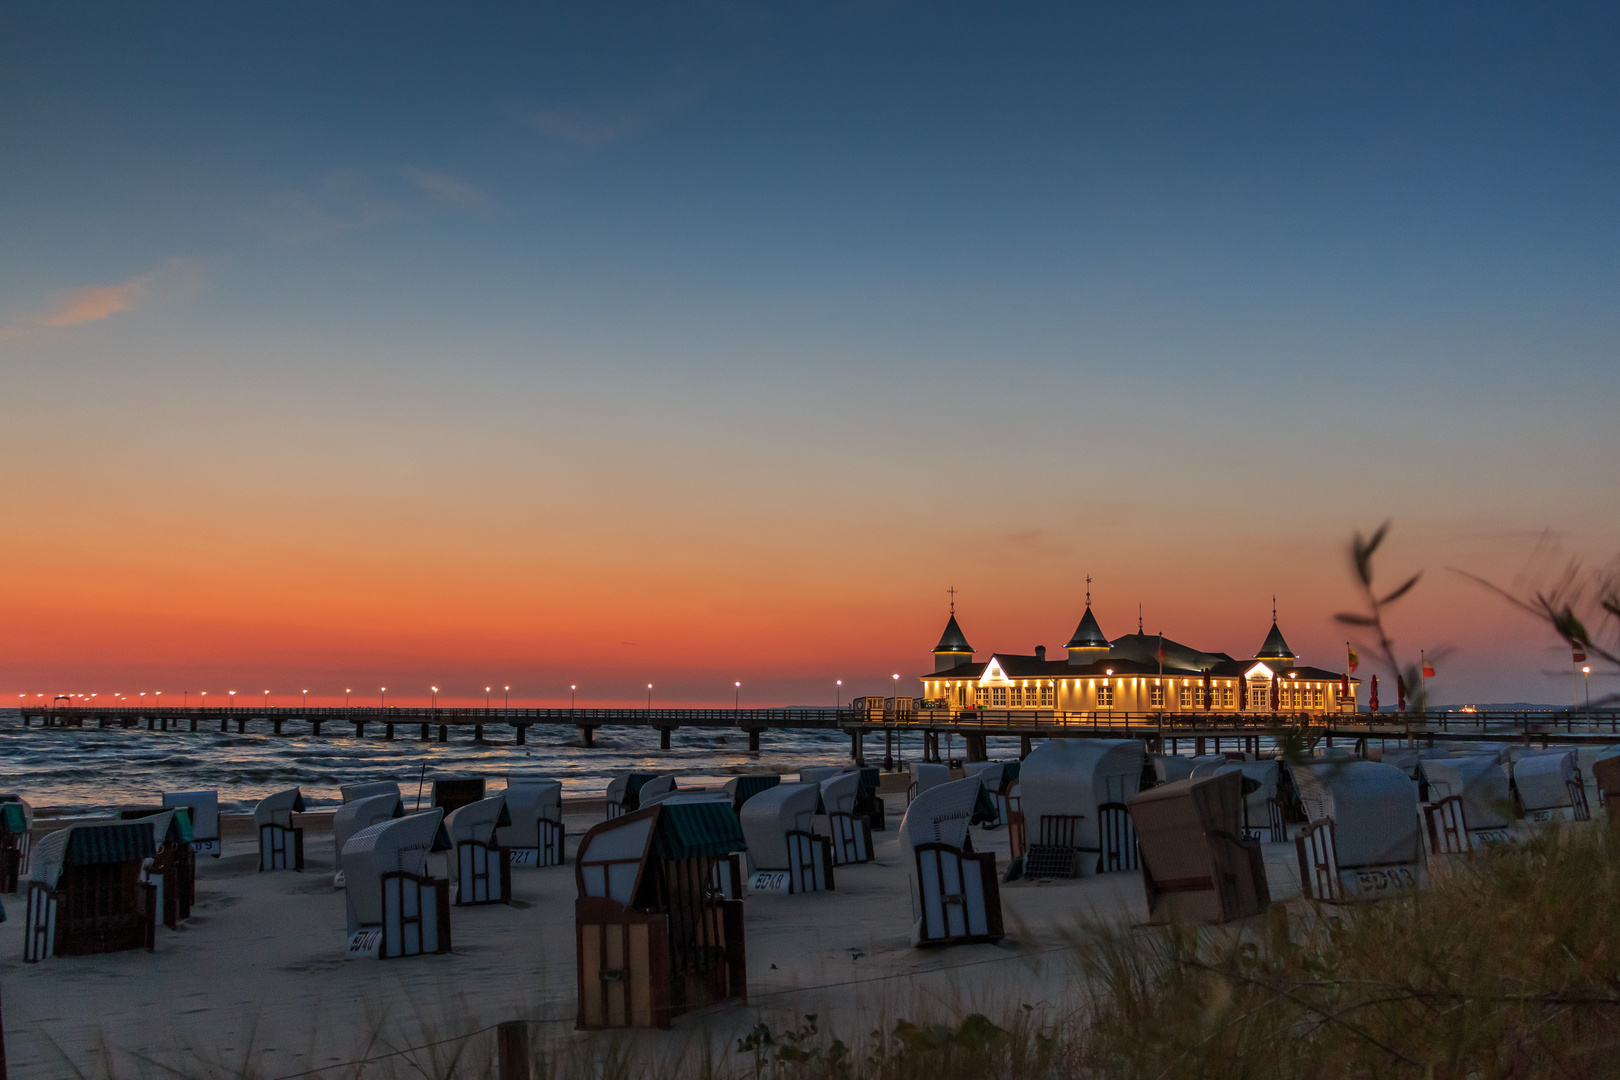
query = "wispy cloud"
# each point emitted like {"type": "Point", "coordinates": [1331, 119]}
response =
{"type": "Point", "coordinates": [448, 189]}
{"type": "Point", "coordinates": [67, 308]}
{"type": "Point", "coordinates": [594, 128]}
{"type": "Point", "coordinates": [342, 202]}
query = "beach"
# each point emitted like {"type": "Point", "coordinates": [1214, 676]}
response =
{"type": "Point", "coordinates": [259, 969]}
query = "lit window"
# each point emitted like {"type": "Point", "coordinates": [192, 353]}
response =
{"type": "Point", "coordinates": [1186, 696]}
{"type": "Point", "coordinates": [1226, 696]}
{"type": "Point", "coordinates": [998, 696]}
{"type": "Point", "coordinates": [1046, 695]}
{"type": "Point", "coordinates": [1105, 696]}
{"type": "Point", "coordinates": [1156, 696]}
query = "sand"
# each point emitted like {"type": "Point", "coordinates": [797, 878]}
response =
{"type": "Point", "coordinates": [259, 970]}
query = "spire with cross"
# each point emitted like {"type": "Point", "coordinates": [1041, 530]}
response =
{"type": "Point", "coordinates": [952, 591]}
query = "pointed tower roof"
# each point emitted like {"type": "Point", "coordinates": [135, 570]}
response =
{"type": "Point", "coordinates": [952, 640]}
{"type": "Point", "coordinates": [1088, 635]}
{"type": "Point", "coordinates": [1275, 647]}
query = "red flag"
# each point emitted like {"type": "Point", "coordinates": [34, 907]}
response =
{"type": "Point", "coordinates": [1372, 696]}
{"type": "Point", "coordinates": [1428, 669]}
{"type": "Point", "coordinates": [1344, 686]}
{"type": "Point", "coordinates": [1400, 693]}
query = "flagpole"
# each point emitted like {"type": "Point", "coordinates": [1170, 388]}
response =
{"type": "Point", "coordinates": [1423, 676]}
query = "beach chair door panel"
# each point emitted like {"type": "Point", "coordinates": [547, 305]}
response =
{"type": "Point", "coordinates": [483, 874]}
{"type": "Point", "coordinates": [1118, 837]}
{"type": "Point", "coordinates": [280, 848]}
{"type": "Point", "coordinates": [551, 842]}
{"type": "Point", "coordinates": [1448, 827]}
{"type": "Point", "coordinates": [624, 967]}
{"type": "Point", "coordinates": [939, 885]}
{"type": "Point", "coordinates": [851, 839]}
{"type": "Point", "coordinates": [415, 915]}
{"type": "Point", "coordinates": [1318, 861]}
{"type": "Point", "coordinates": [39, 940]}
{"type": "Point", "coordinates": [809, 862]}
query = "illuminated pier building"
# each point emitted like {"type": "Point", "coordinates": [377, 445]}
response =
{"type": "Point", "coordinates": [1136, 673]}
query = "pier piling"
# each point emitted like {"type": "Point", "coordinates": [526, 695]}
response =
{"type": "Point", "coordinates": [388, 732]}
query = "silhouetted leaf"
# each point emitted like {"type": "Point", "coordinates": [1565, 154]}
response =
{"type": "Point", "coordinates": [1403, 590]}
{"type": "Point", "coordinates": [1352, 619]}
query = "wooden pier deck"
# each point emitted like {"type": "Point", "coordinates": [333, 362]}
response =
{"type": "Point", "coordinates": [1164, 730]}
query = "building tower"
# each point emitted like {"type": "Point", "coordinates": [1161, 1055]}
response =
{"type": "Point", "coordinates": [1089, 644]}
{"type": "Point", "coordinates": [953, 647]}
{"type": "Point", "coordinates": [1275, 652]}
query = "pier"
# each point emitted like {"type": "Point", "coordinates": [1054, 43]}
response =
{"type": "Point", "coordinates": [1168, 731]}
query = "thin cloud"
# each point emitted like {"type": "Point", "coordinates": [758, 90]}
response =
{"type": "Point", "coordinates": [448, 189]}
{"type": "Point", "coordinates": [67, 308]}
{"type": "Point", "coordinates": [592, 129]}
{"type": "Point", "coordinates": [343, 201]}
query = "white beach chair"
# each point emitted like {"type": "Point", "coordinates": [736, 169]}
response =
{"type": "Point", "coordinates": [86, 894]}
{"type": "Point", "coordinates": [815, 774]}
{"type": "Point", "coordinates": [16, 840]}
{"type": "Point", "coordinates": [654, 938]}
{"type": "Point", "coordinates": [1195, 867]}
{"type": "Point", "coordinates": [1074, 795]}
{"type": "Point", "coordinates": [536, 836]}
{"type": "Point", "coordinates": [1550, 788]}
{"type": "Point", "coordinates": [955, 896]}
{"type": "Point", "coordinates": [743, 788]}
{"type": "Point", "coordinates": [925, 775]}
{"type": "Point", "coordinates": [1362, 842]}
{"type": "Point", "coordinates": [482, 869]}
{"type": "Point", "coordinates": [1262, 812]}
{"type": "Point", "coordinates": [366, 789]}
{"type": "Point", "coordinates": [624, 792]}
{"type": "Point", "coordinates": [204, 819]}
{"type": "Point", "coordinates": [785, 855]}
{"type": "Point", "coordinates": [395, 906]}
{"type": "Point", "coordinates": [1470, 803]}
{"type": "Point", "coordinates": [849, 832]}
{"type": "Point", "coordinates": [360, 813]}
{"type": "Point", "coordinates": [281, 847]}
{"type": "Point", "coordinates": [992, 774]}
{"type": "Point", "coordinates": [172, 870]}
{"type": "Point", "coordinates": [1168, 768]}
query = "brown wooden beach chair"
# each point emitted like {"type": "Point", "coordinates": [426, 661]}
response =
{"type": "Point", "coordinates": [1194, 865]}
{"type": "Point", "coordinates": [654, 939]}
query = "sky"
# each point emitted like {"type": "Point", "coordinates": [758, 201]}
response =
{"type": "Point", "coordinates": [363, 345]}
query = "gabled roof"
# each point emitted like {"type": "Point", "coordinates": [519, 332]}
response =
{"type": "Point", "coordinates": [1088, 635]}
{"type": "Point", "coordinates": [1178, 658]}
{"type": "Point", "coordinates": [952, 640]}
{"type": "Point", "coordinates": [1275, 647]}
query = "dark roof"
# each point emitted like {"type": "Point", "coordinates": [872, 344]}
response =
{"type": "Point", "coordinates": [1088, 635]}
{"type": "Point", "coordinates": [1275, 647]}
{"type": "Point", "coordinates": [952, 640]}
{"type": "Point", "coordinates": [1179, 659]}
{"type": "Point", "coordinates": [1134, 654]}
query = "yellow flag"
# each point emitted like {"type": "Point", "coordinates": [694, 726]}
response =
{"type": "Point", "coordinates": [1355, 660]}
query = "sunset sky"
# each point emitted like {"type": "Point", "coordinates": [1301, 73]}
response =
{"type": "Point", "coordinates": [361, 345]}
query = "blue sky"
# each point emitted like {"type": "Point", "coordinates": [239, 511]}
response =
{"type": "Point", "coordinates": [674, 293]}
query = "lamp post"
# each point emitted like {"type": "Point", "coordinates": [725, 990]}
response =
{"type": "Point", "coordinates": [573, 692]}
{"type": "Point", "coordinates": [306, 700]}
{"type": "Point", "coordinates": [185, 699]}
{"type": "Point", "coordinates": [435, 690]}
{"type": "Point", "coordinates": [736, 699]}
{"type": "Point", "coordinates": [233, 698]}
{"type": "Point", "coordinates": [486, 699]}
{"type": "Point", "coordinates": [649, 697]}
{"type": "Point", "coordinates": [347, 690]}
{"type": "Point", "coordinates": [508, 691]}
{"type": "Point", "coordinates": [382, 699]}
{"type": "Point", "coordinates": [204, 697]}
{"type": "Point", "coordinates": [1586, 670]}
{"type": "Point", "coordinates": [267, 701]}
{"type": "Point", "coordinates": [838, 698]}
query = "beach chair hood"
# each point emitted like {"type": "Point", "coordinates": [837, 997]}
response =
{"type": "Point", "coordinates": [397, 844]}
{"type": "Point", "coordinates": [1481, 781]}
{"type": "Point", "coordinates": [204, 807]}
{"type": "Point", "coordinates": [279, 808]}
{"type": "Point", "coordinates": [353, 792]}
{"type": "Point", "coordinates": [928, 774]}
{"type": "Point", "coordinates": [1073, 777]}
{"type": "Point", "coordinates": [1373, 807]}
{"type": "Point", "coordinates": [1169, 768]}
{"type": "Point", "coordinates": [1543, 779]}
{"type": "Point", "coordinates": [817, 774]}
{"type": "Point", "coordinates": [1166, 817]}
{"type": "Point", "coordinates": [90, 845]}
{"type": "Point", "coordinates": [477, 821]}
{"type": "Point", "coordinates": [16, 815]}
{"type": "Point", "coordinates": [528, 800]}
{"type": "Point", "coordinates": [940, 815]}
{"type": "Point", "coordinates": [767, 818]}
{"type": "Point", "coordinates": [363, 813]}
{"type": "Point", "coordinates": [1261, 776]}
{"type": "Point", "coordinates": [743, 788]}
{"type": "Point", "coordinates": [838, 793]}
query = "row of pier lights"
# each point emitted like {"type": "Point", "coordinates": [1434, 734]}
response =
{"type": "Point", "coordinates": [382, 696]}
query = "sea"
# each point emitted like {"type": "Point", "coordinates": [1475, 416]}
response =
{"type": "Point", "coordinates": [72, 772]}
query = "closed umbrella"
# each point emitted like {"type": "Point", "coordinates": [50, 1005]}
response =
{"type": "Point", "coordinates": [1400, 693]}
{"type": "Point", "coordinates": [1372, 696]}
